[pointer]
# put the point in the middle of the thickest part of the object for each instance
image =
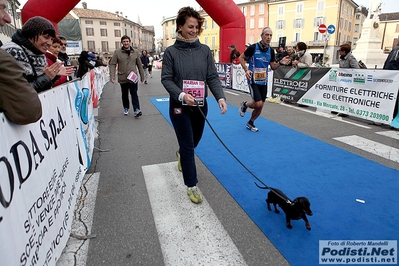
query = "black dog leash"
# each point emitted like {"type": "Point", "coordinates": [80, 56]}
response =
{"type": "Point", "coordinates": [238, 160]}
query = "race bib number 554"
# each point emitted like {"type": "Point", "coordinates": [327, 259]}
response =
{"type": "Point", "coordinates": [195, 88]}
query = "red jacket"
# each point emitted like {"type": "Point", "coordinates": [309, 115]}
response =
{"type": "Point", "coordinates": [51, 59]}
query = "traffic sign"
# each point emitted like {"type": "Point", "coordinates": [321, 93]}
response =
{"type": "Point", "coordinates": [322, 28]}
{"type": "Point", "coordinates": [331, 29]}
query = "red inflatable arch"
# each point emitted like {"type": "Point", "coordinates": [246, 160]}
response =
{"type": "Point", "coordinates": [52, 10]}
{"type": "Point", "coordinates": [224, 12]}
{"type": "Point", "coordinates": [231, 21]}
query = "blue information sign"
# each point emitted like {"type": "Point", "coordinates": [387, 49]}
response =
{"type": "Point", "coordinates": [331, 29]}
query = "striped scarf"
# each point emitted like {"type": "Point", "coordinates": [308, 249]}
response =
{"type": "Point", "coordinates": [30, 58]}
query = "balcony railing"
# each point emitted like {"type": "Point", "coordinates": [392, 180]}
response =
{"type": "Point", "coordinates": [316, 43]}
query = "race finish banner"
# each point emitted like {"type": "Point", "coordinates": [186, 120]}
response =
{"type": "Point", "coordinates": [368, 94]}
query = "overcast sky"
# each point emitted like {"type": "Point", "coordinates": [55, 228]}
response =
{"type": "Point", "coordinates": [151, 12]}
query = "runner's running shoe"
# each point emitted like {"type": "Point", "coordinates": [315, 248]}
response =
{"type": "Point", "coordinates": [242, 108]}
{"type": "Point", "coordinates": [126, 111]}
{"type": "Point", "coordinates": [252, 127]}
{"type": "Point", "coordinates": [194, 194]}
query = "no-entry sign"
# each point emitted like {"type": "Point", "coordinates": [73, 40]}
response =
{"type": "Point", "coordinates": [322, 28]}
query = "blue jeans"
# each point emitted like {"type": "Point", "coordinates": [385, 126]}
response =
{"type": "Point", "coordinates": [132, 88]}
{"type": "Point", "coordinates": [189, 124]}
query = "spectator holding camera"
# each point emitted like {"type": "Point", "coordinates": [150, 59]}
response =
{"type": "Point", "coordinates": [303, 58]}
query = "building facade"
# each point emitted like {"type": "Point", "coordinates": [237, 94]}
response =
{"type": "Point", "coordinates": [256, 18]}
{"type": "Point", "coordinates": [291, 21]}
{"type": "Point", "coordinates": [389, 30]}
{"type": "Point", "coordinates": [169, 32]}
{"type": "Point", "coordinates": [101, 31]}
{"type": "Point", "coordinates": [300, 21]}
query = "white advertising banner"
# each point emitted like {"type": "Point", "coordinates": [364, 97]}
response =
{"type": "Point", "coordinates": [240, 82]}
{"type": "Point", "coordinates": [370, 95]}
{"type": "Point", "coordinates": [40, 175]}
{"type": "Point", "coordinates": [365, 93]}
{"type": "Point", "coordinates": [81, 102]}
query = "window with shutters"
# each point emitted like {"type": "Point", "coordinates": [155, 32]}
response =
{"type": "Point", "coordinates": [299, 8]}
{"type": "Point", "coordinates": [280, 24]}
{"type": "Point", "coordinates": [244, 10]}
{"type": "Point", "coordinates": [91, 46]}
{"type": "Point", "coordinates": [252, 10]}
{"type": "Point", "coordinates": [117, 33]}
{"type": "Point", "coordinates": [281, 10]}
{"type": "Point", "coordinates": [317, 36]}
{"type": "Point", "coordinates": [318, 21]}
{"type": "Point", "coordinates": [298, 23]}
{"type": "Point", "coordinates": [104, 46]}
{"type": "Point", "coordinates": [103, 32]}
{"type": "Point", "coordinates": [213, 45]}
{"type": "Point", "coordinates": [89, 32]}
{"type": "Point", "coordinates": [297, 37]}
{"type": "Point", "coordinates": [261, 23]}
{"type": "Point", "coordinates": [261, 9]}
{"type": "Point", "coordinates": [320, 6]}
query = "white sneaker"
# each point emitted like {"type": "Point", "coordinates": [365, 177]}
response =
{"type": "Point", "coordinates": [138, 113]}
{"type": "Point", "coordinates": [242, 108]}
{"type": "Point", "coordinates": [252, 127]}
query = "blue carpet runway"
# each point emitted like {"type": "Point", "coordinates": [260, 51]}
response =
{"type": "Point", "coordinates": [299, 165]}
